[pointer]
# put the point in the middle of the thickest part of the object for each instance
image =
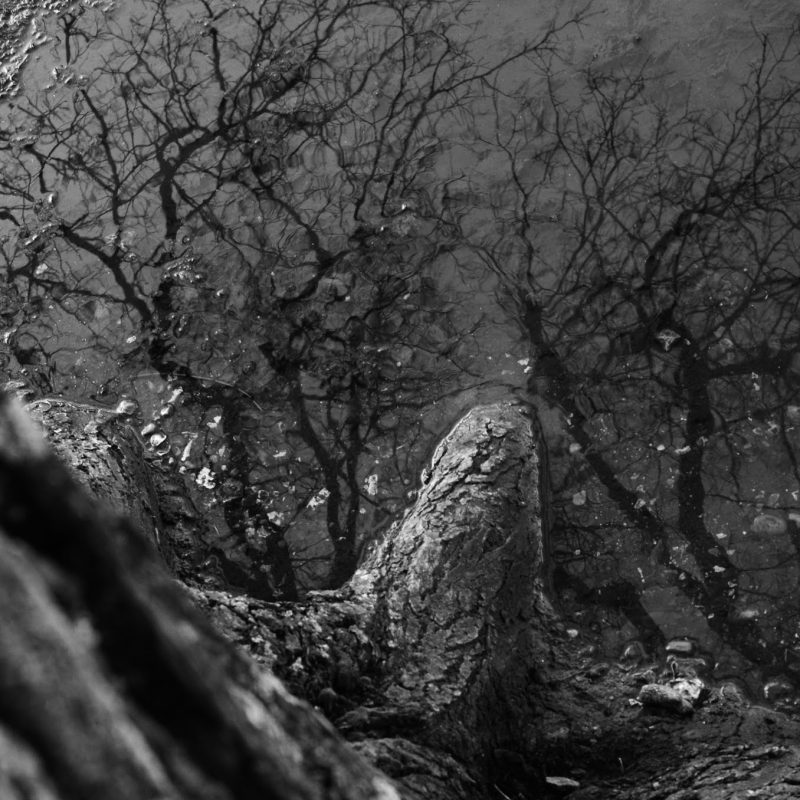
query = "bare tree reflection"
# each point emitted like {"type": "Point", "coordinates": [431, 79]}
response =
{"type": "Point", "coordinates": [247, 201]}
{"type": "Point", "coordinates": [649, 258]}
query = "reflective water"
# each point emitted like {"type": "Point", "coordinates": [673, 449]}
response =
{"type": "Point", "coordinates": [301, 237]}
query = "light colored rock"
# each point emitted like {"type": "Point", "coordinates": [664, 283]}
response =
{"type": "Point", "coordinates": [680, 647]}
{"type": "Point", "coordinates": [564, 784]}
{"type": "Point", "coordinates": [680, 696]}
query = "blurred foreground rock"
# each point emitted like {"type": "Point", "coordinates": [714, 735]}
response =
{"type": "Point", "coordinates": [443, 668]}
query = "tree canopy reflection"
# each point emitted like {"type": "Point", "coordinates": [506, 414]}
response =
{"type": "Point", "coordinates": [269, 222]}
{"type": "Point", "coordinates": [648, 254]}
{"type": "Point", "coordinates": [241, 206]}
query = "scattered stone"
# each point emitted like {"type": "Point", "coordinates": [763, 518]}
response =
{"type": "Point", "coordinates": [680, 647]}
{"type": "Point", "coordinates": [680, 696]}
{"type": "Point", "coordinates": [768, 523]}
{"type": "Point", "coordinates": [562, 785]}
{"type": "Point", "coordinates": [667, 338]}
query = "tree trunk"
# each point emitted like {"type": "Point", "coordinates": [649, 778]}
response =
{"type": "Point", "coordinates": [441, 661]}
{"type": "Point", "coordinates": [113, 684]}
{"type": "Point", "coordinates": [150, 701]}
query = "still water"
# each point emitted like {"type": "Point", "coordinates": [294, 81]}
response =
{"type": "Point", "coordinates": [297, 240]}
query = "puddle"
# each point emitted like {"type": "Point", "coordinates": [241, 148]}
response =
{"type": "Point", "coordinates": [300, 274]}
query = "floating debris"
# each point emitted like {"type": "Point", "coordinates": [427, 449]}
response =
{"type": "Point", "coordinates": [187, 450]}
{"type": "Point", "coordinates": [126, 407]}
{"type": "Point", "coordinates": [157, 439]}
{"type": "Point", "coordinates": [667, 338]}
{"type": "Point", "coordinates": [745, 614]}
{"type": "Point", "coordinates": [205, 478]}
{"type": "Point", "coordinates": [768, 523]}
{"type": "Point", "coordinates": [319, 498]}
{"type": "Point", "coordinates": [680, 647]}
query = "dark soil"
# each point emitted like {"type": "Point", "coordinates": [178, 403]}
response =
{"type": "Point", "coordinates": [597, 733]}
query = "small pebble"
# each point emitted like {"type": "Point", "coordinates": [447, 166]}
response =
{"type": "Point", "coordinates": [680, 647]}
{"type": "Point", "coordinates": [679, 696]}
{"type": "Point", "coordinates": [564, 784]}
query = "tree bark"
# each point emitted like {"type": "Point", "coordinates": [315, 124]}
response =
{"type": "Point", "coordinates": [441, 661]}
{"type": "Point", "coordinates": [113, 684]}
{"type": "Point", "coordinates": [432, 658]}
{"type": "Point", "coordinates": [433, 633]}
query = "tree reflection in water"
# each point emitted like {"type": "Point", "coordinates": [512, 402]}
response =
{"type": "Point", "coordinates": [269, 222]}
{"type": "Point", "coordinates": [648, 255]}
{"type": "Point", "coordinates": [234, 213]}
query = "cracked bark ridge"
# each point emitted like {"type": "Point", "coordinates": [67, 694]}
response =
{"type": "Point", "coordinates": [457, 589]}
{"type": "Point", "coordinates": [431, 659]}
{"type": "Point", "coordinates": [104, 455]}
{"type": "Point", "coordinates": [107, 456]}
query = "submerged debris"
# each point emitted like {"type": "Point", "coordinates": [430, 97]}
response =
{"type": "Point", "coordinates": [768, 523]}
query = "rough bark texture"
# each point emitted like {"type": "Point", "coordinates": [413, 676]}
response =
{"type": "Point", "coordinates": [112, 683]}
{"type": "Point", "coordinates": [456, 596]}
{"type": "Point", "coordinates": [107, 456]}
{"type": "Point", "coordinates": [431, 660]}
{"type": "Point", "coordinates": [441, 661]}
